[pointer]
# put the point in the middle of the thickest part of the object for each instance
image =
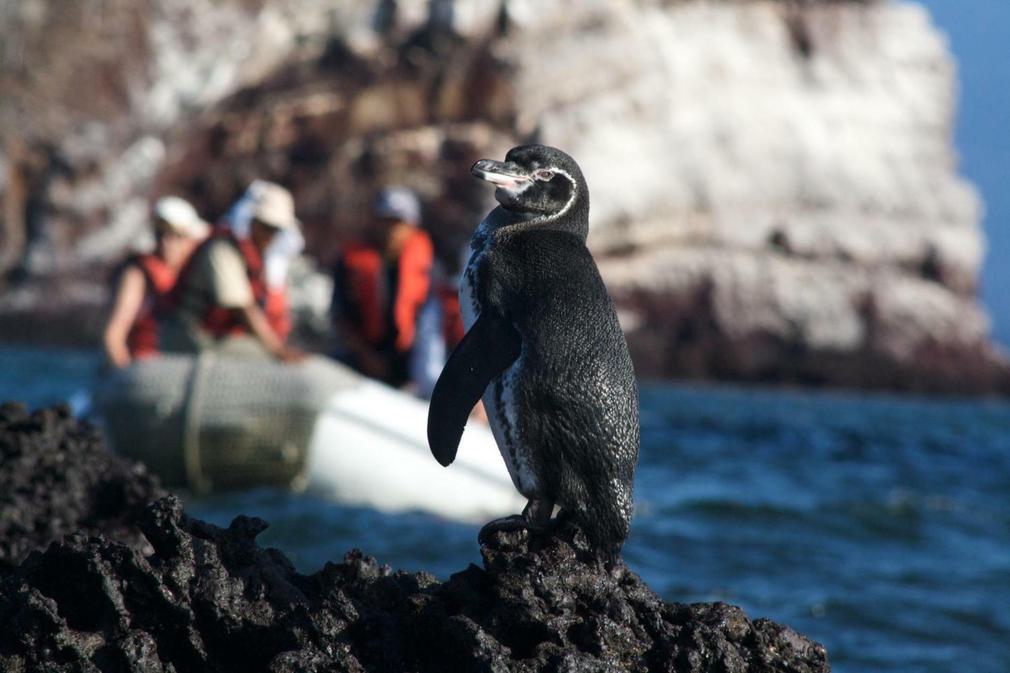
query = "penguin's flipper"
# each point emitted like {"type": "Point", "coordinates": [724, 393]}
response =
{"type": "Point", "coordinates": [491, 345]}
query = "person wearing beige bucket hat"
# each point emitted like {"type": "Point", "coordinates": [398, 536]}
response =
{"type": "Point", "coordinates": [272, 205]}
{"type": "Point", "coordinates": [224, 299]}
{"type": "Point", "coordinates": [145, 281]}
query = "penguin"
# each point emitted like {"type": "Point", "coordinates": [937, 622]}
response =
{"type": "Point", "coordinates": [544, 350]}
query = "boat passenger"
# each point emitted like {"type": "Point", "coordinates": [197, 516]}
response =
{"type": "Point", "coordinates": [145, 282]}
{"type": "Point", "coordinates": [380, 284]}
{"type": "Point", "coordinates": [232, 295]}
{"type": "Point", "coordinates": [439, 330]}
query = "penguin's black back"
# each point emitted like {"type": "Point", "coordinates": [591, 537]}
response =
{"type": "Point", "coordinates": [577, 393]}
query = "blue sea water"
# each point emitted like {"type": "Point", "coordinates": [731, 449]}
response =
{"type": "Point", "coordinates": [878, 525]}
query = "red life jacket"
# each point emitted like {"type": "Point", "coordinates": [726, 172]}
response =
{"type": "Point", "coordinates": [142, 341]}
{"type": "Point", "coordinates": [363, 271]}
{"type": "Point", "coordinates": [452, 316]}
{"type": "Point", "coordinates": [221, 322]}
{"type": "Point", "coordinates": [365, 277]}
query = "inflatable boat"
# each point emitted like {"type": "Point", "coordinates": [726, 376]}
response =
{"type": "Point", "coordinates": [211, 423]}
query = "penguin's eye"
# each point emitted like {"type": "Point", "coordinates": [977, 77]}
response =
{"type": "Point", "coordinates": [544, 175]}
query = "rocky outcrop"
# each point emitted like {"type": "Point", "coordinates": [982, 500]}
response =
{"type": "Point", "coordinates": [211, 599]}
{"type": "Point", "coordinates": [57, 478]}
{"type": "Point", "coordinates": [775, 193]}
{"type": "Point", "coordinates": [115, 584]}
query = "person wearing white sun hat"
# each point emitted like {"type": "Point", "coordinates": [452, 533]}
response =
{"type": "Point", "coordinates": [232, 295]}
{"type": "Point", "coordinates": [145, 282]}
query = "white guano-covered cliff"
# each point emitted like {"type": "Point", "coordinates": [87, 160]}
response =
{"type": "Point", "coordinates": [801, 180]}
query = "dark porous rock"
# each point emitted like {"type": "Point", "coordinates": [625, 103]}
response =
{"type": "Point", "coordinates": [57, 477]}
{"type": "Point", "coordinates": [210, 599]}
{"type": "Point", "coordinates": [555, 607]}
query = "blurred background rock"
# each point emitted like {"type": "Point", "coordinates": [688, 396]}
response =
{"type": "Point", "coordinates": [776, 194]}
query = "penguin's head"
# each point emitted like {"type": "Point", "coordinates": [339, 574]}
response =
{"type": "Point", "coordinates": [536, 179]}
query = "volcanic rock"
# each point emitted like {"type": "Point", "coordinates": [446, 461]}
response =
{"type": "Point", "coordinates": [144, 587]}
{"type": "Point", "coordinates": [58, 478]}
{"type": "Point", "coordinates": [211, 599]}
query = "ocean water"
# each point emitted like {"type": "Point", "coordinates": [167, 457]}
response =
{"type": "Point", "coordinates": [878, 525]}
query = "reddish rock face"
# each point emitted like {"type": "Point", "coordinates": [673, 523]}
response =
{"type": "Point", "coordinates": [678, 335]}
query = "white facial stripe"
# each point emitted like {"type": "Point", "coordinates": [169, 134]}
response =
{"type": "Point", "coordinates": [575, 191]}
{"type": "Point", "coordinates": [568, 204]}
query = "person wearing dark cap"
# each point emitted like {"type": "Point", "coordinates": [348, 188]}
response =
{"type": "Point", "coordinates": [380, 284]}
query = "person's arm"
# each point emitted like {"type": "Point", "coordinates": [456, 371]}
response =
{"type": "Point", "coordinates": [363, 354]}
{"type": "Point", "coordinates": [259, 326]}
{"type": "Point", "coordinates": [129, 299]}
{"type": "Point", "coordinates": [230, 289]}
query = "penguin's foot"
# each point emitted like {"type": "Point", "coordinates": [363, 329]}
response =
{"type": "Point", "coordinates": [505, 524]}
{"type": "Point", "coordinates": [535, 518]}
{"type": "Point", "coordinates": [538, 513]}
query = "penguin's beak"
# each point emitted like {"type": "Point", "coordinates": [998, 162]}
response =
{"type": "Point", "coordinates": [504, 174]}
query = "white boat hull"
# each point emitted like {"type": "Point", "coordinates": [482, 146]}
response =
{"type": "Point", "coordinates": [370, 448]}
{"type": "Point", "coordinates": [217, 423]}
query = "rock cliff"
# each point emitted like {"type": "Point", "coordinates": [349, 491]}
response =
{"type": "Point", "coordinates": [172, 593]}
{"type": "Point", "coordinates": [775, 193]}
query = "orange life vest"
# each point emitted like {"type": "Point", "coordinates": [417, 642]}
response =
{"type": "Point", "coordinates": [452, 317]}
{"type": "Point", "coordinates": [221, 322]}
{"type": "Point", "coordinates": [364, 271]}
{"type": "Point", "coordinates": [142, 340]}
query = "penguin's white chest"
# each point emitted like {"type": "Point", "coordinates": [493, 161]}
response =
{"type": "Point", "coordinates": [501, 396]}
